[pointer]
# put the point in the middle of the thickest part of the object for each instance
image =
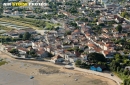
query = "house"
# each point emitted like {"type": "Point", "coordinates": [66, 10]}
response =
{"type": "Point", "coordinates": [93, 68]}
{"type": "Point", "coordinates": [118, 19]}
{"type": "Point", "coordinates": [66, 13]}
{"type": "Point", "coordinates": [74, 59]}
{"type": "Point", "coordinates": [71, 56]}
{"type": "Point", "coordinates": [105, 30]}
{"type": "Point", "coordinates": [57, 59]}
{"type": "Point", "coordinates": [48, 13]}
{"type": "Point", "coordinates": [105, 35]}
{"type": "Point", "coordinates": [127, 67]}
{"type": "Point", "coordinates": [48, 48]}
{"type": "Point", "coordinates": [30, 30]}
{"type": "Point", "coordinates": [76, 32]}
{"type": "Point", "coordinates": [36, 45]}
{"type": "Point", "coordinates": [110, 6]}
{"type": "Point", "coordinates": [103, 1]}
{"type": "Point", "coordinates": [8, 49]}
{"type": "Point", "coordinates": [22, 50]}
{"type": "Point", "coordinates": [68, 54]}
{"type": "Point", "coordinates": [7, 11]}
{"type": "Point", "coordinates": [108, 47]}
{"type": "Point", "coordinates": [83, 56]}
{"type": "Point", "coordinates": [42, 53]}
{"type": "Point", "coordinates": [66, 46]}
{"type": "Point", "coordinates": [98, 68]}
{"type": "Point", "coordinates": [29, 12]}
{"type": "Point", "coordinates": [21, 31]}
{"type": "Point", "coordinates": [100, 22]}
{"type": "Point", "coordinates": [12, 34]}
{"type": "Point", "coordinates": [27, 43]}
{"type": "Point", "coordinates": [107, 54]}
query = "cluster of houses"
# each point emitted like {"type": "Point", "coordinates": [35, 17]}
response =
{"type": "Point", "coordinates": [84, 38]}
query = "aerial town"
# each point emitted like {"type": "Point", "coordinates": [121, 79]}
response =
{"type": "Point", "coordinates": [90, 36]}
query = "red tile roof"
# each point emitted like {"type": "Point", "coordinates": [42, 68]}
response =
{"type": "Point", "coordinates": [56, 57]}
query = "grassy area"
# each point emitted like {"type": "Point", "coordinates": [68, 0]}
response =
{"type": "Point", "coordinates": [5, 28]}
{"type": "Point", "coordinates": [49, 25]}
{"type": "Point", "coordinates": [2, 63]}
{"type": "Point", "coordinates": [32, 23]}
{"type": "Point", "coordinates": [17, 22]}
{"type": "Point", "coordinates": [121, 75]}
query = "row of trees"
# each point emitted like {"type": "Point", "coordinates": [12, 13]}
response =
{"type": "Point", "coordinates": [118, 65]}
{"type": "Point", "coordinates": [93, 58]}
{"type": "Point", "coordinates": [6, 39]}
{"type": "Point", "coordinates": [31, 53]}
{"type": "Point", "coordinates": [127, 81]}
{"type": "Point", "coordinates": [76, 3]}
{"type": "Point", "coordinates": [25, 36]}
{"type": "Point", "coordinates": [82, 19]}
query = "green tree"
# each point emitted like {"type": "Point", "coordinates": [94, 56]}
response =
{"type": "Point", "coordinates": [96, 57]}
{"type": "Point", "coordinates": [101, 24]}
{"type": "Point", "coordinates": [119, 28]}
{"type": "Point", "coordinates": [27, 36]}
{"type": "Point", "coordinates": [124, 14]}
{"type": "Point", "coordinates": [95, 20]}
{"type": "Point", "coordinates": [20, 36]}
{"type": "Point", "coordinates": [118, 69]}
{"type": "Point", "coordinates": [97, 12]}
{"type": "Point", "coordinates": [73, 10]}
{"type": "Point", "coordinates": [14, 51]}
{"type": "Point", "coordinates": [68, 32]}
{"type": "Point", "coordinates": [114, 64]}
{"type": "Point", "coordinates": [8, 39]}
{"type": "Point", "coordinates": [126, 81]}
{"type": "Point", "coordinates": [73, 24]}
{"type": "Point", "coordinates": [78, 63]}
{"type": "Point", "coordinates": [118, 56]}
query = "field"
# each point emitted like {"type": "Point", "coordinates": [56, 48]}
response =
{"type": "Point", "coordinates": [11, 25]}
{"type": "Point", "coordinates": [25, 23]}
{"type": "Point", "coordinates": [19, 23]}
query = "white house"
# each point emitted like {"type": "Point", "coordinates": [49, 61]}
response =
{"type": "Point", "coordinates": [57, 59]}
{"type": "Point", "coordinates": [84, 57]}
{"type": "Point", "coordinates": [74, 59]}
{"type": "Point", "coordinates": [22, 50]}
{"type": "Point", "coordinates": [127, 67]}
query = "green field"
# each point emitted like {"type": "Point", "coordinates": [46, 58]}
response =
{"type": "Point", "coordinates": [31, 23]}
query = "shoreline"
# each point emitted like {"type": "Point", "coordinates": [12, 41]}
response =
{"type": "Point", "coordinates": [88, 74]}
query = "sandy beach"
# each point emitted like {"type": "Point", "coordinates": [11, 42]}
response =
{"type": "Point", "coordinates": [18, 72]}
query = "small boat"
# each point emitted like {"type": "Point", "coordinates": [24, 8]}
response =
{"type": "Point", "coordinates": [31, 77]}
